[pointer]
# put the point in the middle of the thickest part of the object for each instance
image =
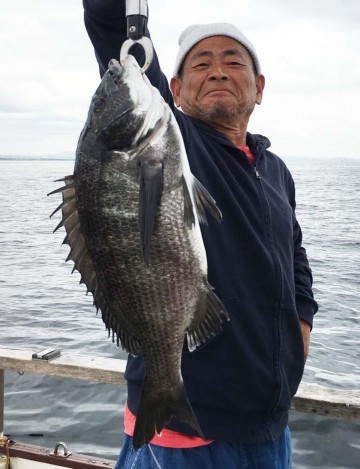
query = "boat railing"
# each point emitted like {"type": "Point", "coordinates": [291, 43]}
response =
{"type": "Point", "coordinates": [310, 398]}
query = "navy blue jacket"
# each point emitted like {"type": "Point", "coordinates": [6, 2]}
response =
{"type": "Point", "coordinates": [240, 383]}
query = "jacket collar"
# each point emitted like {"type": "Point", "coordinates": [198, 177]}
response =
{"type": "Point", "coordinates": [256, 142]}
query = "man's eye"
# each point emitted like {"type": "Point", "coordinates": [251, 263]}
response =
{"type": "Point", "coordinates": [236, 64]}
{"type": "Point", "coordinates": [201, 65]}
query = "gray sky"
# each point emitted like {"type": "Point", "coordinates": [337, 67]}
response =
{"type": "Point", "coordinates": [308, 50]}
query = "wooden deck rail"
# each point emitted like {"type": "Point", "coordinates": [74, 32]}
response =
{"type": "Point", "coordinates": [316, 399]}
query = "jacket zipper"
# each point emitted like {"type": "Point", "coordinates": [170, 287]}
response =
{"type": "Point", "coordinates": [256, 172]}
{"type": "Point", "coordinates": [278, 284]}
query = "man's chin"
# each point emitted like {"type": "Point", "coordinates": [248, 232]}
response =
{"type": "Point", "coordinates": [215, 113]}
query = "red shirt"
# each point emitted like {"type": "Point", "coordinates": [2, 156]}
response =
{"type": "Point", "coordinates": [168, 438]}
{"type": "Point", "coordinates": [247, 152]}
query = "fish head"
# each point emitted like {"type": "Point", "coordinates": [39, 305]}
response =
{"type": "Point", "coordinates": [125, 107]}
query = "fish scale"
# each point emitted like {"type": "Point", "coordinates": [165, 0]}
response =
{"type": "Point", "coordinates": [131, 212]}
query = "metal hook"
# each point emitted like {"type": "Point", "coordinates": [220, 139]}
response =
{"type": "Point", "coordinates": [146, 43]}
{"type": "Point", "coordinates": [65, 452]}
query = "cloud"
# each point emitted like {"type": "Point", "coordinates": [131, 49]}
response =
{"type": "Point", "coordinates": [48, 76]}
{"type": "Point", "coordinates": [342, 10]}
{"type": "Point", "coordinates": [308, 51]}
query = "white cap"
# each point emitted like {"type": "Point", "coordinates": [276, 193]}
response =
{"type": "Point", "coordinates": [197, 32]}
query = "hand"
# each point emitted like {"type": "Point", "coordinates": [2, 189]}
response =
{"type": "Point", "coordinates": [305, 330]}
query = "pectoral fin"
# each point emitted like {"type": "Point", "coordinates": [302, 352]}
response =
{"type": "Point", "coordinates": [189, 217]}
{"type": "Point", "coordinates": [151, 187]}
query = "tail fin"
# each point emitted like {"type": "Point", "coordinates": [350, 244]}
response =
{"type": "Point", "coordinates": [157, 408]}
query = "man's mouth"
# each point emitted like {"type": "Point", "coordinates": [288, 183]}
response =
{"type": "Point", "coordinates": [219, 92]}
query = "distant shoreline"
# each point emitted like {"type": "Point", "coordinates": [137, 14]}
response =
{"type": "Point", "coordinates": [288, 160]}
{"type": "Point", "coordinates": [36, 158]}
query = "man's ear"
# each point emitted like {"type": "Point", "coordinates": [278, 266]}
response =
{"type": "Point", "coordinates": [260, 85]}
{"type": "Point", "coordinates": [175, 86]}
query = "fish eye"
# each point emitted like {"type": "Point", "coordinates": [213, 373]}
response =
{"type": "Point", "coordinates": [98, 104]}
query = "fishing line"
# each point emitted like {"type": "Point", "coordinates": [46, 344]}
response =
{"type": "Point", "coordinates": [154, 457]}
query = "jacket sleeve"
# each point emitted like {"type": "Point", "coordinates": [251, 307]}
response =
{"type": "Point", "coordinates": [105, 23]}
{"type": "Point", "coordinates": [305, 304]}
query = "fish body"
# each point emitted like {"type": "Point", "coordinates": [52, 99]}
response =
{"type": "Point", "coordinates": [131, 212]}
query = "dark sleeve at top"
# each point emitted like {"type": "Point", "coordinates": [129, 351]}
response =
{"type": "Point", "coordinates": [105, 23]}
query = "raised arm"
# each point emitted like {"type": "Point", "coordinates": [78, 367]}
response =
{"type": "Point", "coordinates": [105, 22]}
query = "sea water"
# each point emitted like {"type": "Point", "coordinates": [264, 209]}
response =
{"type": "Point", "coordinates": [43, 306]}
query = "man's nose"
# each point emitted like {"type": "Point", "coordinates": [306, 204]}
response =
{"type": "Point", "coordinates": [218, 72]}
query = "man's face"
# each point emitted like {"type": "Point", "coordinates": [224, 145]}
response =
{"type": "Point", "coordinates": [218, 81]}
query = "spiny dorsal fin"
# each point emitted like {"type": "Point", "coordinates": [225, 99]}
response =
{"type": "Point", "coordinates": [80, 255]}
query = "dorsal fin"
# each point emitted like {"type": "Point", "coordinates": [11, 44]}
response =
{"type": "Point", "coordinates": [80, 255]}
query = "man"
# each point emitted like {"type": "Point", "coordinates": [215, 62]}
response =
{"type": "Point", "coordinates": [240, 383]}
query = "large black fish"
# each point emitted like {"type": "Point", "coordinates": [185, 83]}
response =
{"type": "Point", "coordinates": [131, 211]}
